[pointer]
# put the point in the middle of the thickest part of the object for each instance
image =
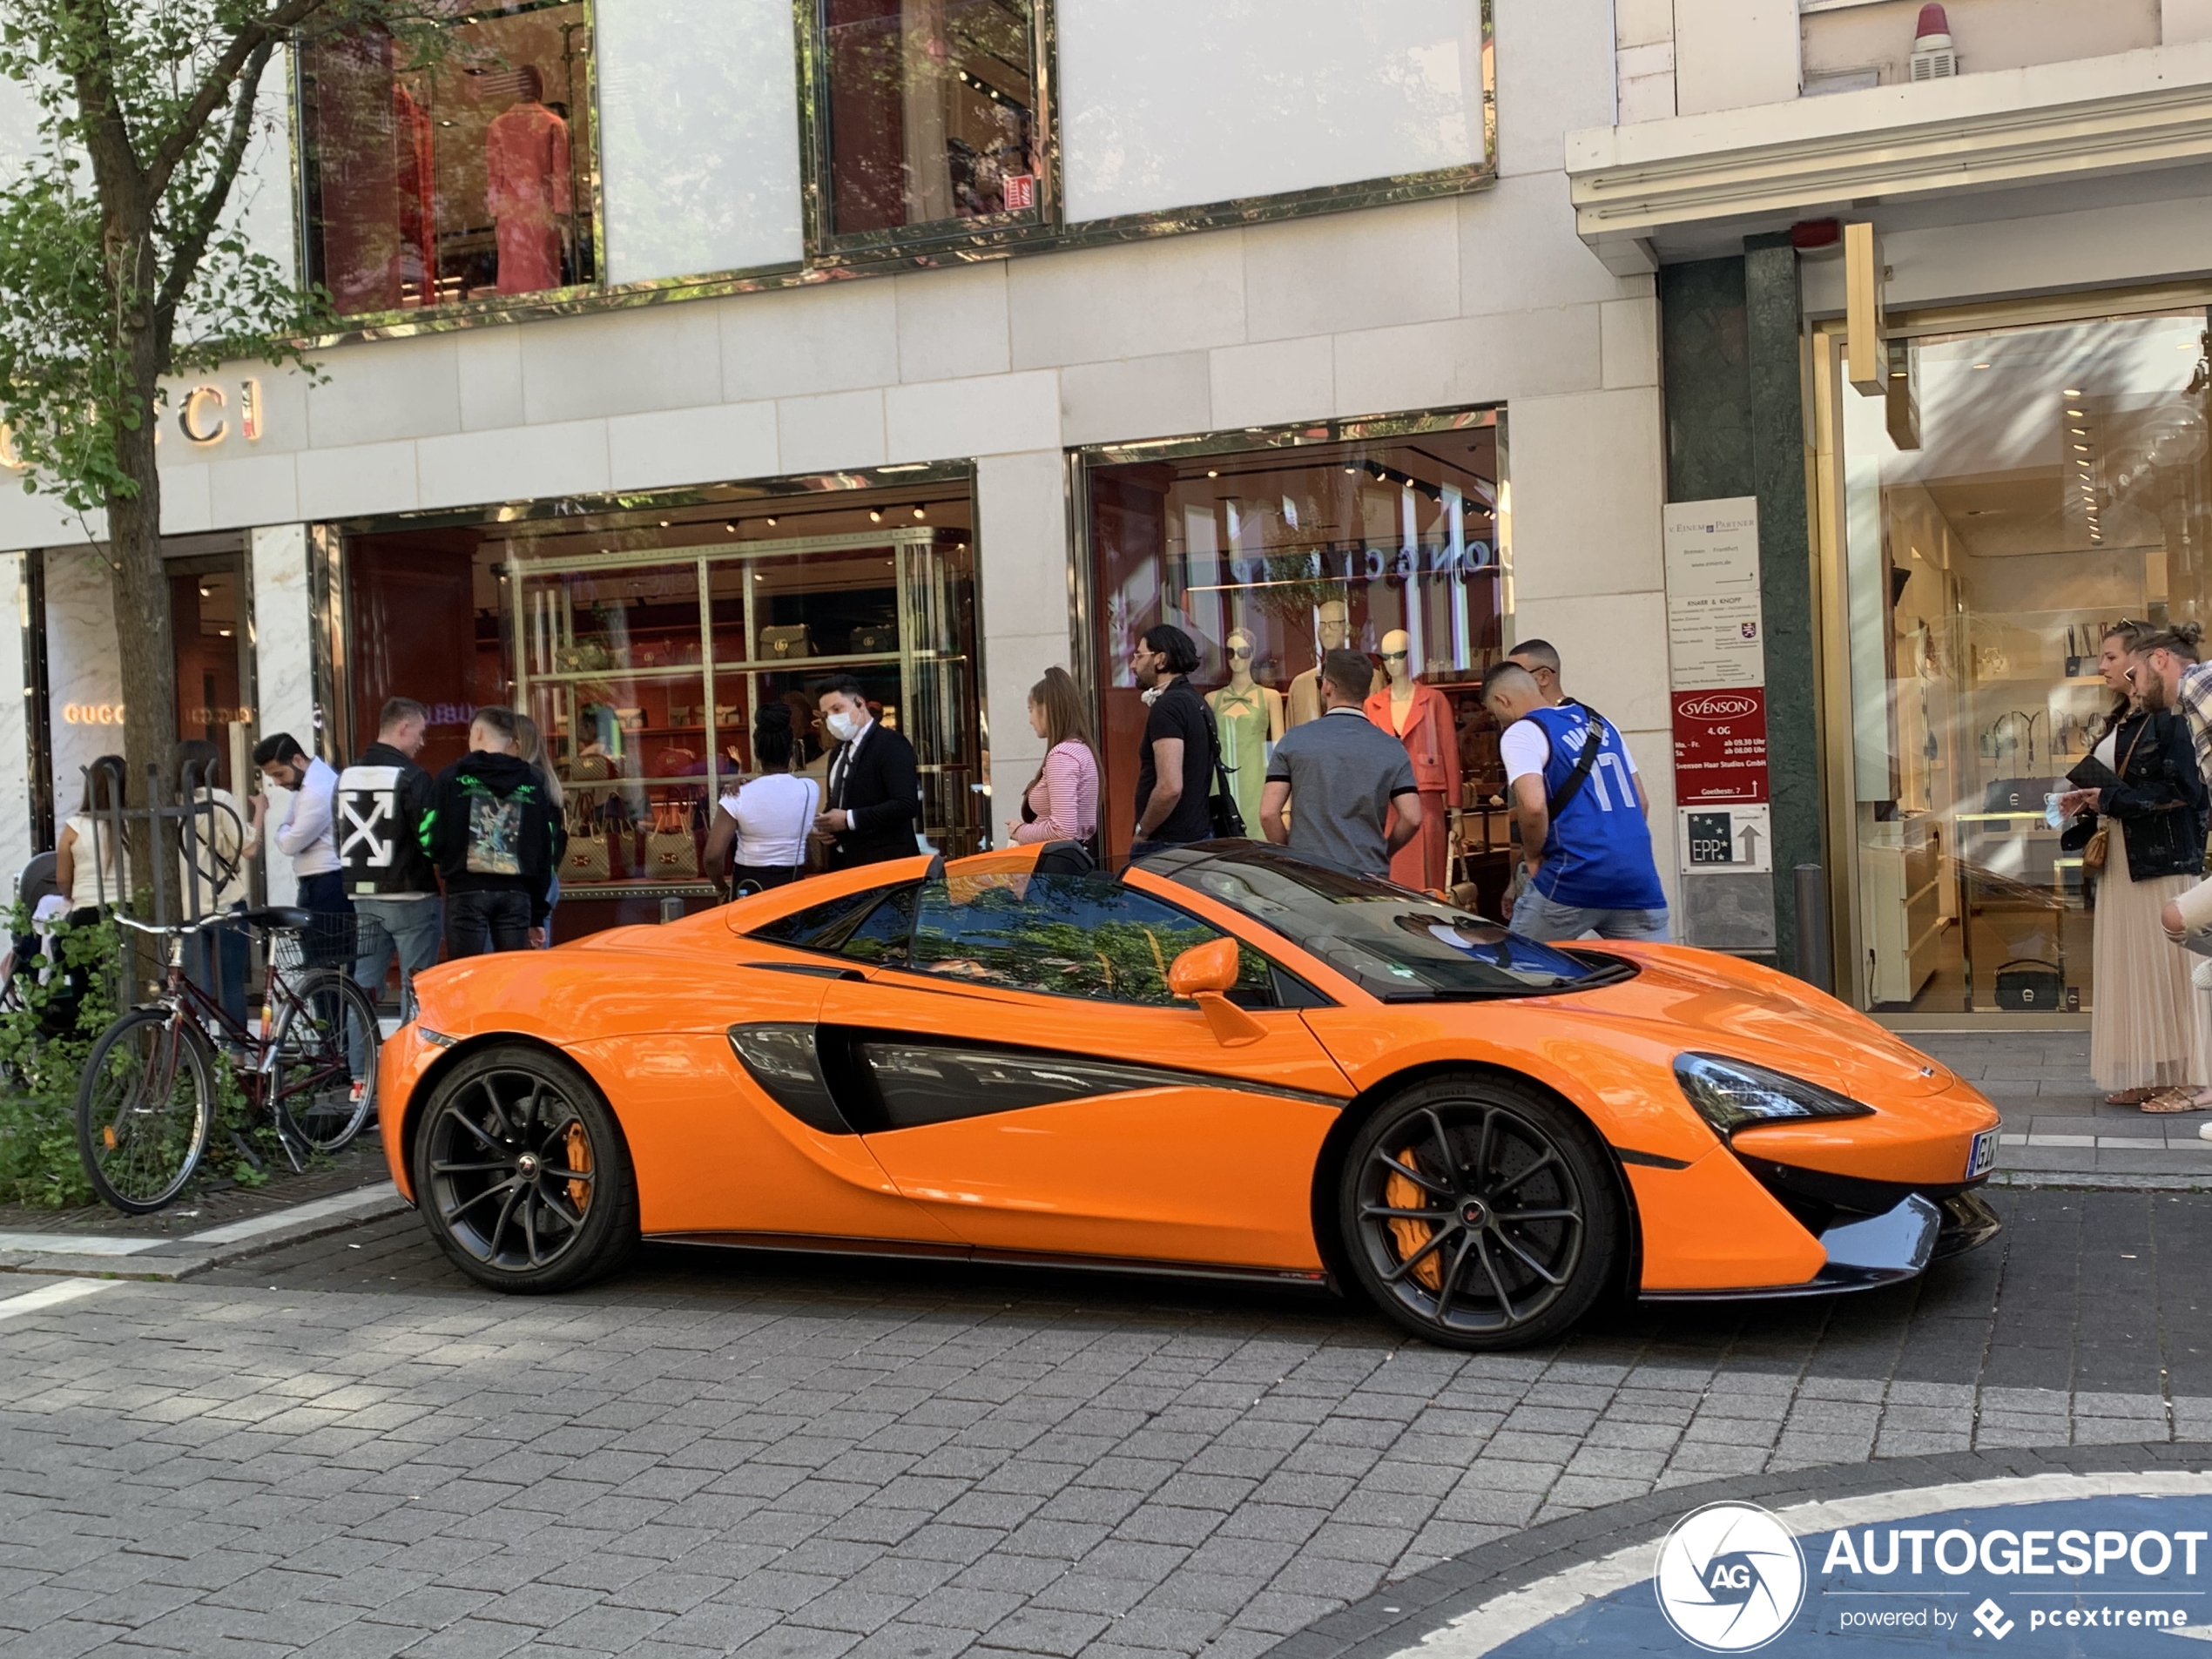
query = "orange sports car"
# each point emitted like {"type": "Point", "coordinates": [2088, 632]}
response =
{"type": "Point", "coordinates": [1224, 1061]}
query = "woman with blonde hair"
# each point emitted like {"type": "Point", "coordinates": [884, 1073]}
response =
{"type": "Point", "coordinates": [2147, 1047]}
{"type": "Point", "coordinates": [1060, 803]}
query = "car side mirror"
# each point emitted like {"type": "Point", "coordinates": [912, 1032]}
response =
{"type": "Point", "coordinates": [1204, 974]}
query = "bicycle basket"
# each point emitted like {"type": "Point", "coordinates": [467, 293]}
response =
{"type": "Point", "coordinates": [327, 940]}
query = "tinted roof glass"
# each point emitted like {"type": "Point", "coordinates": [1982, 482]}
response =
{"type": "Point", "coordinates": [1396, 944]}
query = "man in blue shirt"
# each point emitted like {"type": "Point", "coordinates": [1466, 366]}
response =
{"type": "Point", "coordinates": [1594, 870]}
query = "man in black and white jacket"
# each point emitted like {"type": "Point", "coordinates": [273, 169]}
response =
{"type": "Point", "coordinates": [381, 798]}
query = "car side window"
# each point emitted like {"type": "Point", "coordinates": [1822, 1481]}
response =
{"type": "Point", "coordinates": [880, 940]}
{"type": "Point", "coordinates": [1065, 936]}
{"type": "Point", "coordinates": [830, 926]}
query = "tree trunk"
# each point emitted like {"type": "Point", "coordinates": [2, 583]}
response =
{"type": "Point", "coordinates": [142, 621]}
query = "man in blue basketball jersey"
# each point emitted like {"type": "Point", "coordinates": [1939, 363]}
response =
{"type": "Point", "coordinates": [1580, 805]}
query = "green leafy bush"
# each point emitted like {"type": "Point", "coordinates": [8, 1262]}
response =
{"type": "Point", "coordinates": [44, 1043]}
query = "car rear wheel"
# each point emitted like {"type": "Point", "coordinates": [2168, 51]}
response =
{"type": "Point", "coordinates": [521, 1174]}
{"type": "Point", "coordinates": [1479, 1214]}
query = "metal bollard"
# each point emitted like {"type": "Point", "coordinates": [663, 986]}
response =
{"type": "Point", "coordinates": [1813, 962]}
{"type": "Point", "coordinates": [671, 908]}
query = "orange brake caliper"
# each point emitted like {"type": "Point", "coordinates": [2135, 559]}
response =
{"type": "Point", "coordinates": [579, 1160]}
{"type": "Point", "coordinates": [1402, 1194]}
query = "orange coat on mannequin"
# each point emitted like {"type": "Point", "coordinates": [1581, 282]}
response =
{"type": "Point", "coordinates": [1433, 745]}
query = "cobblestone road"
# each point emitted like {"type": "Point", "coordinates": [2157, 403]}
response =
{"type": "Point", "coordinates": [342, 1449]}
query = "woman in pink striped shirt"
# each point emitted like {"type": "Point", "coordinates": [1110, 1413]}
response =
{"type": "Point", "coordinates": [1060, 803]}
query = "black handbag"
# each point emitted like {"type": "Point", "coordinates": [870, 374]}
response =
{"type": "Point", "coordinates": [1228, 820]}
{"type": "Point", "coordinates": [2020, 794]}
{"type": "Point", "coordinates": [2030, 985]}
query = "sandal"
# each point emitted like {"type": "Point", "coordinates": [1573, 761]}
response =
{"type": "Point", "coordinates": [2137, 1097]}
{"type": "Point", "coordinates": [2180, 1100]}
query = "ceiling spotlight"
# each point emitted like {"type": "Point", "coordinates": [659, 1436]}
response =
{"type": "Point", "coordinates": [663, 524]}
{"type": "Point", "coordinates": [2079, 431]}
{"type": "Point", "coordinates": [874, 517]}
{"type": "Point", "coordinates": [918, 513]}
{"type": "Point", "coordinates": [206, 592]}
{"type": "Point", "coordinates": [2077, 414]}
{"type": "Point", "coordinates": [2082, 449]}
{"type": "Point", "coordinates": [1981, 364]}
{"type": "Point", "coordinates": [2073, 391]}
{"type": "Point", "coordinates": [772, 522]}
{"type": "Point", "coordinates": [733, 529]}
{"type": "Point", "coordinates": [1211, 472]}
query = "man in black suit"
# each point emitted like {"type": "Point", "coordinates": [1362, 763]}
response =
{"type": "Point", "coordinates": [874, 790]}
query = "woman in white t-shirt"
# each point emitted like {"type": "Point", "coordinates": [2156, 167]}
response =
{"type": "Point", "coordinates": [89, 877]}
{"type": "Point", "coordinates": [761, 827]}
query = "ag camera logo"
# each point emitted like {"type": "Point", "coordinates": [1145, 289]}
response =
{"type": "Point", "coordinates": [1730, 1577]}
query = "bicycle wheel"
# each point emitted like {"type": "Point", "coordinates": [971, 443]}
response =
{"type": "Point", "coordinates": [325, 1042]}
{"type": "Point", "coordinates": [144, 1106]}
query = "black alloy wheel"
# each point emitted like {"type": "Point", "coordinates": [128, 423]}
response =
{"type": "Point", "coordinates": [521, 1174]}
{"type": "Point", "coordinates": [1479, 1214]}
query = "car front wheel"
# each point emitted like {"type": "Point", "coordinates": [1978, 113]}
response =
{"type": "Point", "coordinates": [1479, 1214]}
{"type": "Point", "coordinates": [522, 1173]}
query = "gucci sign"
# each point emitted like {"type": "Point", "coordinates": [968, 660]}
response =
{"type": "Point", "coordinates": [204, 415]}
{"type": "Point", "coordinates": [92, 713]}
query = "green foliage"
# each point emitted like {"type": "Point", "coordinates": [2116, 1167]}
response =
{"type": "Point", "coordinates": [120, 251]}
{"type": "Point", "coordinates": [39, 1166]}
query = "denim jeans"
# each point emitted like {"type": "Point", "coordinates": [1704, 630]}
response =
{"type": "Point", "coordinates": [478, 923]}
{"type": "Point", "coordinates": [409, 928]}
{"type": "Point", "coordinates": [327, 944]}
{"type": "Point", "coordinates": [215, 961]}
{"type": "Point", "coordinates": [1536, 917]}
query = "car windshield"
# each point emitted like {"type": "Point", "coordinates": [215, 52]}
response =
{"type": "Point", "coordinates": [1396, 944]}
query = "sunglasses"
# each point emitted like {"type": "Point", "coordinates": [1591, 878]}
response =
{"type": "Point", "coordinates": [1240, 650]}
{"type": "Point", "coordinates": [1395, 656]}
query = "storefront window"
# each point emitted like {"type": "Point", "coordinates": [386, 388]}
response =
{"type": "Point", "coordinates": [2057, 483]}
{"type": "Point", "coordinates": [644, 641]}
{"type": "Point", "coordinates": [205, 607]}
{"type": "Point", "coordinates": [932, 112]}
{"type": "Point", "coordinates": [454, 174]}
{"type": "Point", "coordinates": [1387, 544]}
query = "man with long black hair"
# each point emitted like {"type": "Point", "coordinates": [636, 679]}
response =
{"type": "Point", "coordinates": [1175, 766]}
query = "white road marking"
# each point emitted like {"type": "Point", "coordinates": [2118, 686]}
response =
{"type": "Point", "coordinates": [75, 1244]}
{"type": "Point", "coordinates": [46, 1296]}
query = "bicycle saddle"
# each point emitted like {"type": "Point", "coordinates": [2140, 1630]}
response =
{"type": "Point", "coordinates": [282, 916]}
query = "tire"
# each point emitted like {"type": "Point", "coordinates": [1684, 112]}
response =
{"type": "Point", "coordinates": [504, 1184]}
{"type": "Point", "coordinates": [327, 1041]}
{"type": "Point", "coordinates": [144, 1103]}
{"type": "Point", "coordinates": [1479, 1214]}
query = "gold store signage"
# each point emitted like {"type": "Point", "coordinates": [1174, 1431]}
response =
{"type": "Point", "coordinates": [204, 416]}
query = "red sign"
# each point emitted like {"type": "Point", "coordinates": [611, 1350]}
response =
{"type": "Point", "coordinates": [1720, 745]}
{"type": "Point", "coordinates": [1021, 191]}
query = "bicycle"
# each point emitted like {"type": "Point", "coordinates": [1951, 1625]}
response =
{"type": "Point", "coordinates": [145, 1102]}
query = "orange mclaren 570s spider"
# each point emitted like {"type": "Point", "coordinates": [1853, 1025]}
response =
{"type": "Point", "coordinates": [1222, 1060]}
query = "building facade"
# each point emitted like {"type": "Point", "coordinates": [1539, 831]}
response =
{"type": "Point", "coordinates": [1822, 378]}
{"type": "Point", "coordinates": [1933, 291]}
{"type": "Point", "coordinates": [972, 337]}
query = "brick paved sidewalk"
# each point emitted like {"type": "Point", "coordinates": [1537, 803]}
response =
{"type": "Point", "coordinates": [343, 1449]}
{"type": "Point", "coordinates": [2056, 1122]}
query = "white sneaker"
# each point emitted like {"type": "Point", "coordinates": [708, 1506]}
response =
{"type": "Point", "coordinates": [2205, 1131]}
{"type": "Point", "coordinates": [2200, 975]}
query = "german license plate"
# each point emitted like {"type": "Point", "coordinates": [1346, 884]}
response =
{"type": "Point", "coordinates": [1981, 1156]}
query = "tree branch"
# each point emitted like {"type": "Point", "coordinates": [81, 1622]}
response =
{"type": "Point", "coordinates": [214, 89]}
{"type": "Point", "coordinates": [192, 248]}
{"type": "Point", "coordinates": [107, 135]}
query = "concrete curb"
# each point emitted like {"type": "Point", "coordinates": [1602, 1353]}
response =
{"type": "Point", "coordinates": [168, 1260]}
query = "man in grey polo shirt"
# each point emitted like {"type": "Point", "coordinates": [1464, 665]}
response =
{"type": "Point", "coordinates": [1341, 775]}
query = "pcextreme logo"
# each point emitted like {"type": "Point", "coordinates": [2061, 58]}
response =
{"type": "Point", "coordinates": [1730, 1577]}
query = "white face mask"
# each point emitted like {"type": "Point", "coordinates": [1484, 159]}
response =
{"type": "Point", "coordinates": [842, 725]}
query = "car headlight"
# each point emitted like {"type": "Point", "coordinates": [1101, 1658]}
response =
{"type": "Point", "coordinates": [1735, 1094]}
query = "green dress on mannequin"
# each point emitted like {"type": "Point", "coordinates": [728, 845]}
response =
{"type": "Point", "coordinates": [1249, 717]}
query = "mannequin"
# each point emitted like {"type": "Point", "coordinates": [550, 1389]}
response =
{"type": "Point", "coordinates": [527, 188]}
{"type": "Point", "coordinates": [1250, 717]}
{"type": "Point", "coordinates": [1332, 618]}
{"type": "Point", "coordinates": [1422, 718]}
